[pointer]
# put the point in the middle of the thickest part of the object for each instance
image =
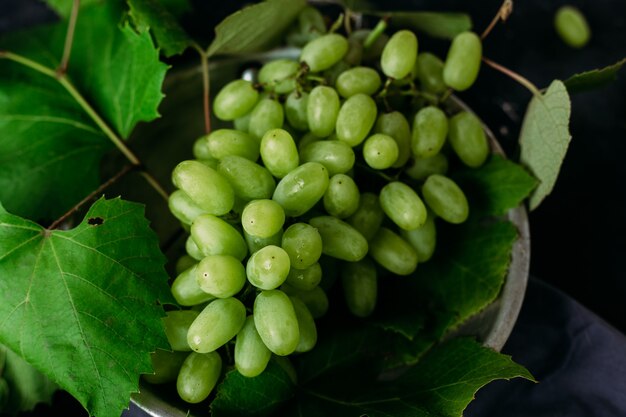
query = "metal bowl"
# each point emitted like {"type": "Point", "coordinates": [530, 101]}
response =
{"type": "Point", "coordinates": [492, 326]}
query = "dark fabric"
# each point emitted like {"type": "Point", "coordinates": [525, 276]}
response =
{"type": "Point", "coordinates": [578, 359]}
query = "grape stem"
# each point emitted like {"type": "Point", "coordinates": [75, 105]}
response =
{"type": "Point", "coordinates": [512, 74]}
{"type": "Point", "coordinates": [503, 14]}
{"type": "Point", "coordinates": [125, 170]}
{"type": "Point", "coordinates": [204, 59]}
{"type": "Point", "coordinates": [69, 38]}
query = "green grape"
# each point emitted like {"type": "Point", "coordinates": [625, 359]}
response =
{"type": "Point", "coordinates": [183, 207]}
{"type": "Point", "coordinates": [263, 218]}
{"type": "Point", "coordinates": [393, 253]}
{"type": "Point", "coordinates": [339, 239]}
{"type": "Point", "coordinates": [324, 52]}
{"type": "Point", "coordinates": [251, 354]}
{"type": "Point", "coordinates": [216, 324]}
{"type": "Point", "coordinates": [201, 148]}
{"type": "Point", "coordinates": [267, 114]}
{"type": "Point", "coordinates": [220, 275]}
{"type": "Point", "coordinates": [332, 73]}
{"type": "Point", "coordinates": [402, 205]}
{"type": "Point", "coordinates": [368, 217]}
{"type": "Point", "coordinates": [322, 110]}
{"type": "Point", "coordinates": [184, 262]}
{"type": "Point", "coordinates": [275, 320]}
{"type": "Point", "coordinates": [572, 27]}
{"type": "Point", "coordinates": [166, 366]}
{"type": "Point", "coordinates": [423, 239]}
{"type": "Point", "coordinates": [468, 139]}
{"type": "Point", "coordinates": [395, 125]}
{"type": "Point", "coordinates": [235, 99]}
{"type": "Point", "coordinates": [311, 22]}
{"type": "Point", "coordinates": [306, 326]}
{"type": "Point", "coordinates": [305, 141]}
{"type": "Point", "coordinates": [430, 129]}
{"type": "Point", "coordinates": [303, 244]}
{"type": "Point", "coordinates": [305, 279]}
{"type": "Point", "coordinates": [380, 151]}
{"type": "Point", "coordinates": [216, 237]}
{"type": "Point", "coordinates": [198, 376]}
{"type": "Point", "coordinates": [355, 119]}
{"type": "Point", "coordinates": [355, 52]}
{"type": "Point", "coordinates": [315, 300]}
{"type": "Point", "coordinates": [338, 157]}
{"type": "Point", "coordinates": [242, 123]}
{"type": "Point", "coordinates": [359, 281]}
{"type": "Point", "coordinates": [279, 152]}
{"type": "Point", "coordinates": [296, 110]}
{"type": "Point", "coordinates": [255, 243]}
{"type": "Point", "coordinates": [357, 80]}
{"type": "Point", "coordinates": [399, 54]}
{"type": "Point", "coordinates": [421, 168]}
{"type": "Point", "coordinates": [249, 180]}
{"type": "Point", "coordinates": [342, 196]}
{"type": "Point", "coordinates": [279, 75]}
{"type": "Point", "coordinates": [205, 186]}
{"type": "Point", "coordinates": [446, 199]}
{"type": "Point", "coordinates": [268, 267]}
{"type": "Point", "coordinates": [192, 249]}
{"type": "Point", "coordinates": [429, 71]}
{"type": "Point", "coordinates": [371, 52]}
{"type": "Point", "coordinates": [463, 61]}
{"type": "Point", "coordinates": [186, 290]}
{"type": "Point", "coordinates": [299, 190]}
{"type": "Point", "coordinates": [224, 142]}
{"type": "Point", "coordinates": [176, 324]}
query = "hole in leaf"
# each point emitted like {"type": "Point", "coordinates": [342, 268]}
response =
{"type": "Point", "coordinates": [95, 221]}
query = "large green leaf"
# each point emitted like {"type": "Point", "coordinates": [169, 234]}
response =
{"type": "Point", "coordinates": [589, 80]}
{"type": "Point", "coordinates": [545, 137]}
{"type": "Point", "coordinates": [441, 385]}
{"type": "Point", "coordinates": [82, 305]}
{"type": "Point", "coordinates": [255, 27]}
{"type": "Point", "coordinates": [64, 7]}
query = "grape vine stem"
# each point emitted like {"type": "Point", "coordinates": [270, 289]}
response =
{"type": "Point", "coordinates": [523, 81]}
{"type": "Point", "coordinates": [204, 60]}
{"type": "Point", "coordinates": [503, 14]}
{"type": "Point", "coordinates": [69, 38]}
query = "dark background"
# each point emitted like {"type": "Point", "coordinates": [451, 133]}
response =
{"type": "Point", "coordinates": [578, 233]}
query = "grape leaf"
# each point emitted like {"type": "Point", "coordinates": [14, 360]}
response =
{"type": "Point", "coordinates": [26, 387]}
{"type": "Point", "coordinates": [64, 7]}
{"type": "Point", "coordinates": [438, 25]}
{"type": "Point", "coordinates": [589, 80]}
{"type": "Point", "coordinates": [81, 305]}
{"type": "Point", "coordinates": [152, 15]}
{"type": "Point", "coordinates": [254, 27]}
{"type": "Point", "coordinates": [239, 396]}
{"type": "Point", "coordinates": [440, 385]}
{"type": "Point", "coordinates": [497, 186]}
{"type": "Point", "coordinates": [545, 137]}
{"type": "Point", "coordinates": [176, 7]}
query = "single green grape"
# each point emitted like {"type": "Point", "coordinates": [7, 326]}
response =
{"type": "Point", "coordinates": [339, 239]}
{"type": "Point", "coordinates": [306, 326]}
{"type": "Point", "coordinates": [251, 354]}
{"type": "Point", "coordinates": [296, 110]}
{"type": "Point", "coordinates": [224, 142]}
{"type": "Point", "coordinates": [311, 22]}
{"type": "Point", "coordinates": [463, 61]}
{"type": "Point", "coordinates": [275, 320]}
{"type": "Point", "coordinates": [380, 151]}
{"type": "Point", "coordinates": [572, 27]}
{"type": "Point", "coordinates": [368, 217]}
{"type": "Point", "coordinates": [216, 324]}
{"type": "Point", "coordinates": [201, 148]}
{"type": "Point", "coordinates": [183, 207]}
{"type": "Point", "coordinates": [430, 129]}
{"type": "Point", "coordinates": [267, 114]}
{"type": "Point", "coordinates": [303, 244]}
{"type": "Point", "coordinates": [279, 75]}
{"type": "Point", "coordinates": [192, 249]}
{"type": "Point", "coordinates": [324, 52]}
{"type": "Point", "coordinates": [302, 188]}
{"type": "Point", "coordinates": [249, 180]}
{"type": "Point", "coordinates": [393, 253]}
{"type": "Point", "coordinates": [215, 236]}
{"type": "Point", "coordinates": [468, 139]}
{"type": "Point", "coordinates": [255, 243]}
{"type": "Point", "coordinates": [363, 80]}
{"type": "Point", "coordinates": [402, 205]}
{"type": "Point", "coordinates": [268, 267]}
{"type": "Point", "coordinates": [316, 299]}
{"type": "Point", "coordinates": [305, 279]}
{"type": "Point", "coordinates": [322, 110]}
{"type": "Point", "coordinates": [359, 281]}
{"type": "Point", "coordinates": [235, 99]}
{"type": "Point", "coordinates": [423, 239]}
{"type": "Point", "coordinates": [429, 72]}
{"type": "Point", "coordinates": [221, 275]}
{"type": "Point", "coordinates": [186, 290]}
{"type": "Point", "coordinates": [446, 199]}
{"type": "Point", "coordinates": [421, 168]}
{"type": "Point", "coordinates": [205, 186]}
{"type": "Point", "coordinates": [342, 196]}
{"type": "Point", "coordinates": [198, 376]}
{"type": "Point", "coordinates": [242, 123]}
{"type": "Point", "coordinates": [337, 156]}
{"type": "Point", "coordinates": [279, 152]}
{"type": "Point", "coordinates": [263, 218]}
{"type": "Point", "coordinates": [356, 117]}
{"type": "Point", "coordinates": [184, 262]}
{"type": "Point", "coordinates": [394, 124]}
{"type": "Point", "coordinates": [176, 324]}
{"type": "Point", "coordinates": [399, 54]}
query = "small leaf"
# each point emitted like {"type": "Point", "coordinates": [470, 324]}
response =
{"type": "Point", "coordinates": [239, 396]}
{"type": "Point", "coordinates": [255, 27]}
{"type": "Point", "coordinates": [81, 305]}
{"type": "Point", "coordinates": [442, 384]}
{"type": "Point", "coordinates": [596, 78]}
{"type": "Point", "coordinates": [152, 15]}
{"type": "Point", "coordinates": [545, 137]}
{"type": "Point", "coordinates": [497, 186]}
{"type": "Point", "coordinates": [438, 25]}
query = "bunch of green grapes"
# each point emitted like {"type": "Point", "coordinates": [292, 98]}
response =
{"type": "Point", "coordinates": [318, 168]}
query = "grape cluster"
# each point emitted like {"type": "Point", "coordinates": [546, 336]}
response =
{"type": "Point", "coordinates": [288, 188]}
